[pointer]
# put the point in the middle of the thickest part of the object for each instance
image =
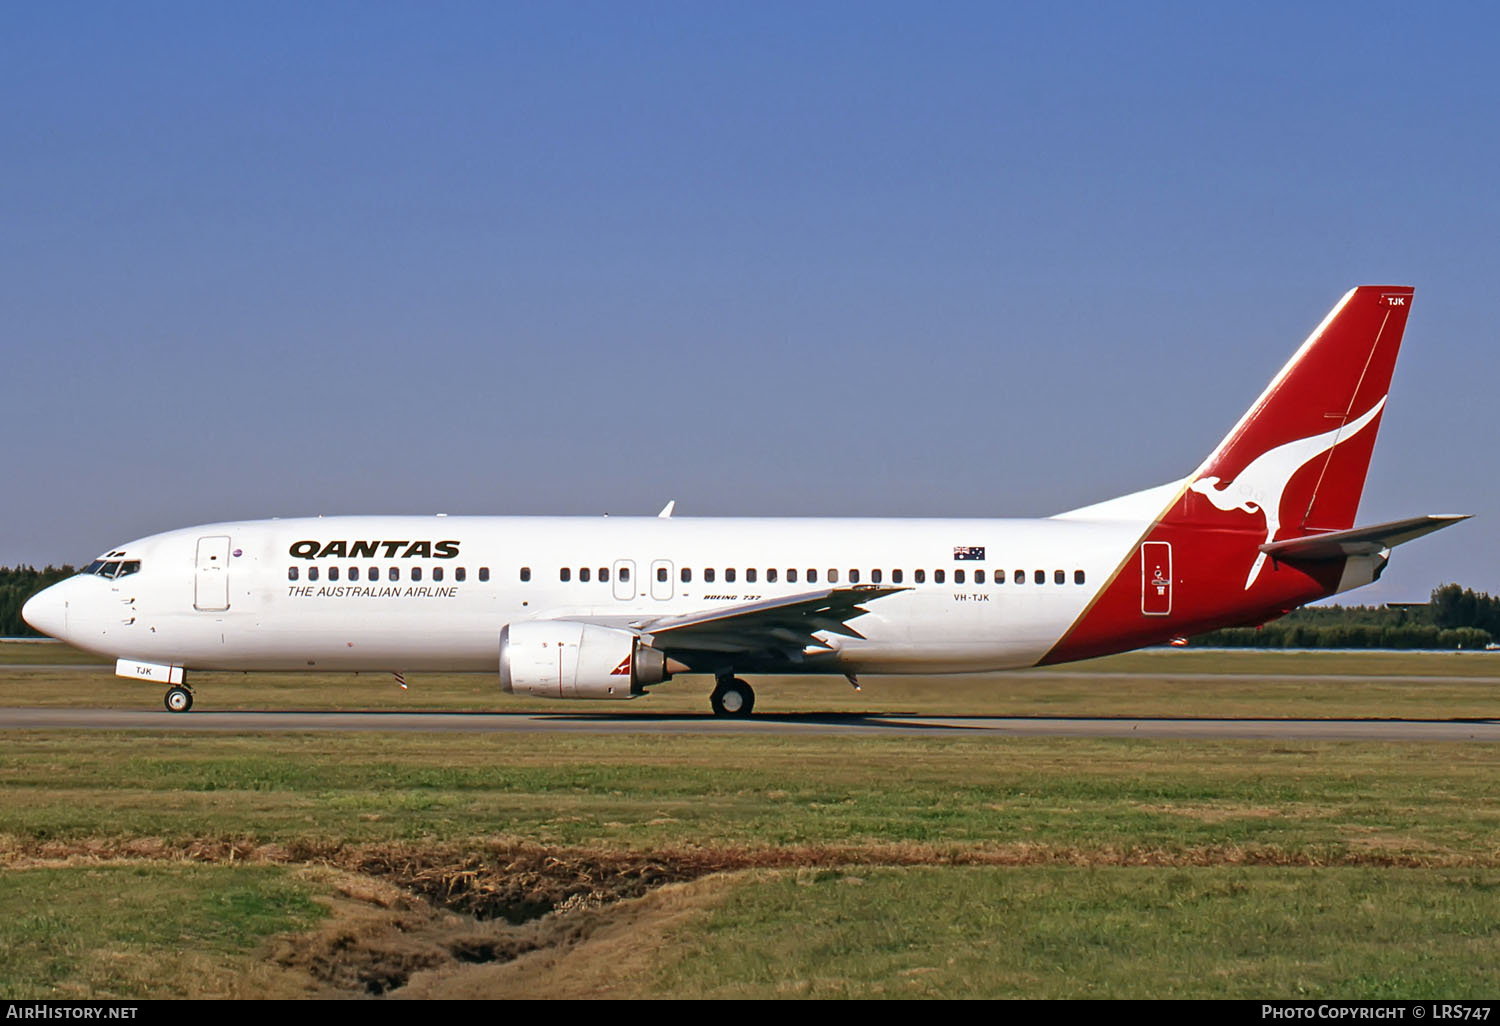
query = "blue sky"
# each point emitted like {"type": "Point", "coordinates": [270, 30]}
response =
{"type": "Point", "coordinates": [794, 259]}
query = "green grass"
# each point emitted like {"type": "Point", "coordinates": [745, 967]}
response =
{"type": "Point", "coordinates": [1119, 867]}
{"type": "Point", "coordinates": [1070, 933]}
{"type": "Point", "coordinates": [145, 930]}
{"type": "Point", "coordinates": [46, 652]}
{"type": "Point", "coordinates": [1324, 800]}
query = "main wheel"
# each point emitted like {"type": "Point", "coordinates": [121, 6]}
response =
{"type": "Point", "coordinates": [179, 699]}
{"type": "Point", "coordinates": [732, 698]}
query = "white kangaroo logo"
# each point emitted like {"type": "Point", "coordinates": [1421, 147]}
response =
{"type": "Point", "coordinates": [1259, 487]}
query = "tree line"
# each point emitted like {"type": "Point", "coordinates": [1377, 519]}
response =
{"type": "Point", "coordinates": [1453, 618]}
{"type": "Point", "coordinates": [17, 584]}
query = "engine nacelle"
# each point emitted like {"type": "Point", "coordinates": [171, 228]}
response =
{"type": "Point", "coordinates": [568, 659]}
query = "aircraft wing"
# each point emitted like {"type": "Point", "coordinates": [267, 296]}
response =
{"type": "Point", "coordinates": [1361, 541]}
{"type": "Point", "coordinates": [783, 625]}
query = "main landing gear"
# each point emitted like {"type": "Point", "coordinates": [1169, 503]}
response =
{"type": "Point", "coordinates": [179, 699]}
{"type": "Point", "coordinates": [732, 697]}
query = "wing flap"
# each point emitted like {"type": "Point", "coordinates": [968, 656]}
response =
{"type": "Point", "coordinates": [784, 625]}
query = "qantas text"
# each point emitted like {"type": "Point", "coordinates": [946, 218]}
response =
{"type": "Point", "coordinates": [371, 549]}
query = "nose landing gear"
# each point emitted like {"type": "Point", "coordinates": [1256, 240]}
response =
{"type": "Point", "coordinates": [179, 699]}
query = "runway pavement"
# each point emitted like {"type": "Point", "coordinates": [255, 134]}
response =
{"type": "Point", "coordinates": [107, 669]}
{"type": "Point", "coordinates": [801, 723]}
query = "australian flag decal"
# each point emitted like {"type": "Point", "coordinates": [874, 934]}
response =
{"type": "Point", "coordinates": [968, 552]}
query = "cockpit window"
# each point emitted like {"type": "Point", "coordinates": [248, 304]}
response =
{"type": "Point", "coordinates": [113, 567]}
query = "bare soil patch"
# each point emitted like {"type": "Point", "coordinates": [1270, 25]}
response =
{"type": "Point", "coordinates": [434, 920]}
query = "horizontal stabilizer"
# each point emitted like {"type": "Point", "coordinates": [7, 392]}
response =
{"type": "Point", "coordinates": [1360, 541]}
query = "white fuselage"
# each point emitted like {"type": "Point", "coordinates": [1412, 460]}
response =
{"type": "Point", "coordinates": [223, 596]}
{"type": "Point", "coordinates": [605, 607]}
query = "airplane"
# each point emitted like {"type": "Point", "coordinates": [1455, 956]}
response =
{"type": "Point", "coordinates": [606, 608]}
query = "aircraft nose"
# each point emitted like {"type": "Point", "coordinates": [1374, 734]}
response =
{"type": "Point", "coordinates": [47, 611]}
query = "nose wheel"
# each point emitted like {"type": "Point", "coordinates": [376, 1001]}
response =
{"type": "Point", "coordinates": [732, 697]}
{"type": "Point", "coordinates": [179, 699]}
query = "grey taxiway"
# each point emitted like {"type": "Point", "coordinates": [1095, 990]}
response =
{"type": "Point", "coordinates": [26, 718]}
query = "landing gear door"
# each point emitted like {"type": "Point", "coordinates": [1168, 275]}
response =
{"type": "Point", "coordinates": [211, 581]}
{"type": "Point", "coordinates": [1156, 578]}
{"type": "Point", "coordinates": [624, 579]}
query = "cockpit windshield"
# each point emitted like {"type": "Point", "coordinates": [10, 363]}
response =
{"type": "Point", "coordinates": [113, 567]}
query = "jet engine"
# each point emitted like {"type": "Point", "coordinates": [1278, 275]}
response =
{"type": "Point", "coordinates": [568, 659]}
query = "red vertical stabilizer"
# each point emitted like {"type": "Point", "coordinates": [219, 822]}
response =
{"type": "Point", "coordinates": [1300, 454]}
{"type": "Point", "coordinates": [1293, 466]}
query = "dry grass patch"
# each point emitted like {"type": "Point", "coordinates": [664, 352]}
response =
{"type": "Point", "coordinates": [508, 917]}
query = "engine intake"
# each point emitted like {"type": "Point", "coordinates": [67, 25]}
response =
{"type": "Point", "coordinates": [568, 659]}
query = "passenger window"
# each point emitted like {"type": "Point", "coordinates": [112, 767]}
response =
{"type": "Point", "coordinates": [708, 575]}
{"type": "Point", "coordinates": [958, 577]}
{"type": "Point", "coordinates": [333, 573]}
{"type": "Point", "coordinates": [686, 575]}
{"type": "Point", "coordinates": [374, 574]}
{"type": "Point", "coordinates": [459, 573]}
{"type": "Point", "coordinates": [939, 576]}
{"type": "Point", "coordinates": [661, 574]}
{"type": "Point", "coordinates": [1020, 577]}
{"type": "Point", "coordinates": [624, 573]}
{"type": "Point", "coordinates": [853, 576]}
{"type": "Point", "coordinates": [584, 574]}
{"type": "Point", "coordinates": [999, 576]}
{"type": "Point", "coordinates": [484, 573]}
{"type": "Point", "coordinates": [1059, 577]}
{"type": "Point", "coordinates": [876, 576]}
{"type": "Point", "coordinates": [1077, 576]}
{"type": "Point", "coordinates": [791, 576]}
{"type": "Point", "coordinates": [812, 576]}
{"type": "Point", "coordinates": [437, 575]}
{"type": "Point", "coordinates": [750, 576]}
{"type": "Point", "coordinates": [833, 576]}
{"type": "Point", "coordinates": [354, 573]}
{"type": "Point", "coordinates": [312, 573]}
{"type": "Point", "coordinates": [604, 575]}
{"type": "Point", "coordinates": [563, 574]}
{"type": "Point", "coordinates": [978, 576]}
{"type": "Point", "coordinates": [920, 575]}
{"type": "Point", "coordinates": [729, 575]}
{"type": "Point", "coordinates": [416, 573]}
{"type": "Point", "coordinates": [393, 574]}
{"type": "Point", "coordinates": [1038, 577]}
{"type": "Point", "coordinates": [291, 573]}
{"type": "Point", "coordinates": [897, 576]}
{"type": "Point", "coordinates": [771, 576]}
